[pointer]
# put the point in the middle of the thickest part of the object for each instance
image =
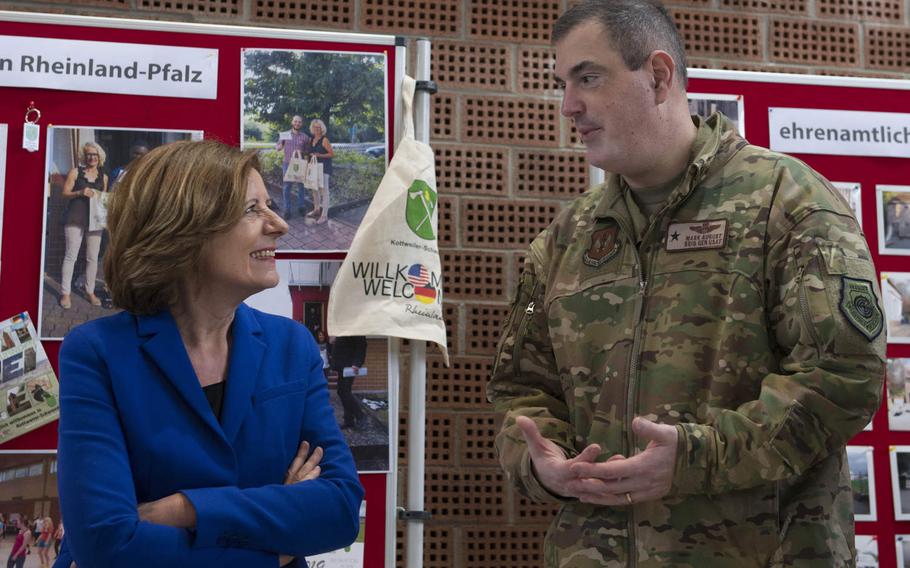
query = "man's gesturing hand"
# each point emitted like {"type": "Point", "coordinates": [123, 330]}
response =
{"type": "Point", "coordinates": [622, 481]}
{"type": "Point", "coordinates": [550, 464]}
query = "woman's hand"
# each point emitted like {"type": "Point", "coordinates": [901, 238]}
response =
{"type": "Point", "coordinates": [303, 468]}
{"type": "Point", "coordinates": [172, 511]}
{"type": "Point", "coordinates": [88, 192]}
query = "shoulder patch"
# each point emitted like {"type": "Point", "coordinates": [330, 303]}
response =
{"type": "Point", "coordinates": [860, 306]}
{"type": "Point", "coordinates": [604, 246]}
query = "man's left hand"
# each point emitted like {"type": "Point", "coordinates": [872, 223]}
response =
{"type": "Point", "coordinates": [621, 481]}
{"type": "Point", "coordinates": [172, 511]}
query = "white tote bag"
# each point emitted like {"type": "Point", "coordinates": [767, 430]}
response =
{"type": "Point", "coordinates": [391, 280]}
{"type": "Point", "coordinates": [97, 210]}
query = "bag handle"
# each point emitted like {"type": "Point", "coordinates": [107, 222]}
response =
{"type": "Point", "coordinates": [408, 86]}
{"type": "Point", "coordinates": [296, 154]}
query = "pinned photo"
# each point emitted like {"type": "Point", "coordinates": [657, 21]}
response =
{"type": "Point", "coordinates": [896, 299]}
{"type": "Point", "coordinates": [29, 508]}
{"type": "Point", "coordinates": [356, 368]}
{"type": "Point", "coordinates": [318, 120]}
{"type": "Point", "coordinates": [862, 481]}
{"type": "Point", "coordinates": [866, 551]}
{"type": "Point", "coordinates": [29, 386]}
{"type": "Point", "coordinates": [898, 383]}
{"type": "Point", "coordinates": [893, 212]}
{"type": "Point", "coordinates": [84, 164]}
{"type": "Point", "coordinates": [899, 456]}
{"type": "Point", "coordinates": [903, 550]}
{"type": "Point", "coordinates": [731, 106]}
{"type": "Point", "coordinates": [850, 191]}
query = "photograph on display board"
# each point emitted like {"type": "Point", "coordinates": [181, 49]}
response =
{"type": "Point", "coordinates": [866, 551]}
{"type": "Point", "coordinates": [31, 526]}
{"type": "Point", "coordinates": [898, 383]}
{"type": "Point", "coordinates": [356, 368]}
{"type": "Point", "coordinates": [851, 194]}
{"type": "Point", "coordinates": [83, 166]}
{"type": "Point", "coordinates": [903, 550]}
{"type": "Point", "coordinates": [347, 557]}
{"type": "Point", "coordinates": [899, 457]}
{"type": "Point", "coordinates": [28, 383]}
{"type": "Point", "coordinates": [893, 210]}
{"type": "Point", "coordinates": [731, 106]}
{"type": "Point", "coordinates": [896, 300]}
{"type": "Point", "coordinates": [862, 481]}
{"type": "Point", "coordinates": [318, 121]}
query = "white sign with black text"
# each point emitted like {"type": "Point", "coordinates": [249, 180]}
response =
{"type": "Point", "coordinates": [103, 67]}
{"type": "Point", "coordinates": [839, 132]}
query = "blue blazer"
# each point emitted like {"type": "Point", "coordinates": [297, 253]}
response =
{"type": "Point", "coordinates": [135, 426]}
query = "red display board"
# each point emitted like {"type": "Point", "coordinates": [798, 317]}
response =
{"type": "Point", "coordinates": [20, 256]}
{"type": "Point", "coordinates": [760, 92]}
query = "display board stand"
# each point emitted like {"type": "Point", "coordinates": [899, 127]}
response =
{"type": "Point", "coordinates": [27, 188]}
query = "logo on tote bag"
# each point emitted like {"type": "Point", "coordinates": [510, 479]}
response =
{"type": "Point", "coordinates": [419, 210]}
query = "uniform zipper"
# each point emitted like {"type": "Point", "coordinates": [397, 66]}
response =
{"type": "Point", "coordinates": [520, 332]}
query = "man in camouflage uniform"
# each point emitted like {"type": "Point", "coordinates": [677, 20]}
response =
{"type": "Point", "coordinates": [692, 343]}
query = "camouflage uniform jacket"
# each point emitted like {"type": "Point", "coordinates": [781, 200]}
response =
{"type": "Point", "coordinates": [746, 313]}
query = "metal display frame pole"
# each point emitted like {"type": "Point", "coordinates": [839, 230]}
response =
{"type": "Point", "coordinates": [415, 515]}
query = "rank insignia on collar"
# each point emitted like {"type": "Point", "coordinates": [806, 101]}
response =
{"type": "Point", "coordinates": [859, 305]}
{"type": "Point", "coordinates": [604, 246]}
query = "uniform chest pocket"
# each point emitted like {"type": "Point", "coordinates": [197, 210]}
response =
{"type": "Point", "coordinates": [280, 391]}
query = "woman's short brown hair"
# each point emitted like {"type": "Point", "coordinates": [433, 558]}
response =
{"type": "Point", "coordinates": [166, 207]}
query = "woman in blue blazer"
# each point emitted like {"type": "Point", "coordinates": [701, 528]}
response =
{"type": "Point", "coordinates": [187, 420]}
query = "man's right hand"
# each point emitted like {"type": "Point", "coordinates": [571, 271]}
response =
{"type": "Point", "coordinates": [553, 469]}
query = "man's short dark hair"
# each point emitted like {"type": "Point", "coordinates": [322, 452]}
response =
{"type": "Point", "coordinates": [635, 28]}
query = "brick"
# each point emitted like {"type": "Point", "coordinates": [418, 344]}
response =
{"type": "Point", "coordinates": [322, 13]}
{"type": "Point", "coordinates": [470, 275]}
{"type": "Point", "coordinates": [814, 43]}
{"type": "Point", "coordinates": [711, 34]}
{"type": "Point", "coordinates": [510, 120]}
{"type": "Point", "coordinates": [522, 21]}
{"type": "Point", "coordinates": [562, 174]}
{"type": "Point", "coordinates": [471, 169]}
{"type": "Point", "coordinates": [464, 65]}
{"type": "Point", "coordinates": [422, 17]}
{"type": "Point", "coordinates": [513, 224]}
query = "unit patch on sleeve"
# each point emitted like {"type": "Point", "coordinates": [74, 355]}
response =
{"type": "Point", "coordinates": [603, 246]}
{"type": "Point", "coordinates": [860, 306]}
{"type": "Point", "coordinates": [697, 235]}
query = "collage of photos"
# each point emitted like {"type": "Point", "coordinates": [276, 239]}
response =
{"type": "Point", "coordinates": [356, 367]}
{"type": "Point", "coordinates": [28, 384]}
{"type": "Point", "coordinates": [318, 120]}
{"type": "Point", "coordinates": [84, 164]}
{"type": "Point", "coordinates": [31, 527]}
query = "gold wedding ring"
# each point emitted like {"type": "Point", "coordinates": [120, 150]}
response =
{"type": "Point", "coordinates": [629, 498]}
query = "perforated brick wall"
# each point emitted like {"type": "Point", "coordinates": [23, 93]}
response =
{"type": "Point", "coordinates": [798, 41]}
{"type": "Point", "coordinates": [462, 65]}
{"type": "Point", "coordinates": [550, 174]}
{"type": "Point", "coordinates": [510, 120]}
{"type": "Point", "coordinates": [223, 8]}
{"type": "Point", "coordinates": [507, 162]}
{"type": "Point", "coordinates": [888, 48]}
{"type": "Point", "coordinates": [707, 33]}
{"type": "Point", "coordinates": [424, 17]}
{"type": "Point", "coordinates": [472, 169]}
{"type": "Point", "coordinates": [881, 10]}
{"type": "Point", "coordinates": [521, 21]}
{"type": "Point", "coordinates": [497, 547]}
{"type": "Point", "coordinates": [336, 14]}
{"type": "Point", "coordinates": [470, 275]}
{"type": "Point", "coordinates": [504, 224]}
